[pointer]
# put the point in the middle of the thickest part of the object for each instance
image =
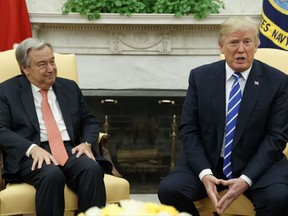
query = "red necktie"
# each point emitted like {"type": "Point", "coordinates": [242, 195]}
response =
{"type": "Point", "coordinates": [54, 136]}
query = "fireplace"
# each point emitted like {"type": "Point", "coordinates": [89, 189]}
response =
{"type": "Point", "coordinates": [143, 134]}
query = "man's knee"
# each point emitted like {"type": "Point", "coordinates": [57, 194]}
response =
{"type": "Point", "coordinates": [279, 199]}
{"type": "Point", "coordinates": [97, 168]}
{"type": "Point", "coordinates": [166, 191]}
{"type": "Point", "coordinates": [52, 175]}
{"type": "Point", "coordinates": [272, 200]}
{"type": "Point", "coordinates": [94, 170]}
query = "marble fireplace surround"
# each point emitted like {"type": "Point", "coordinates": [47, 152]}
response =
{"type": "Point", "coordinates": [142, 54]}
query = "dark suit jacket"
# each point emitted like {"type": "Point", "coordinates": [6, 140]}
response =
{"type": "Point", "coordinates": [262, 128]}
{"type": "Point", "coordinates": [19, 126]}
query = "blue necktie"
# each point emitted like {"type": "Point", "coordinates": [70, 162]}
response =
{"type": "Point", "coordinates": [231, 120]}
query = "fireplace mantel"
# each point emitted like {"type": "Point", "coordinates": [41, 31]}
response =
{"type": "Point", "coordinates": [143, 51]}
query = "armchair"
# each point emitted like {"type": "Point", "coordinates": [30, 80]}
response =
{"type": "Point", "coordinates": [242, 206]}
{"type": "Point", "coordinates": [18, 198]}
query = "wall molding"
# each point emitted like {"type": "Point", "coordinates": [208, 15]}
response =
{"type": "Point", "coordinates": [136, 19]}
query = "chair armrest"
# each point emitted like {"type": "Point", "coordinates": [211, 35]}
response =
{"type": "Point", "coordinates": [103, 139]}
{"type": "Point", "coordinates": [286, 151]}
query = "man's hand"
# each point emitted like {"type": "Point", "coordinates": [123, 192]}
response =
{"type": "Point", "coordinates": [40, 155]}
{"type": "Point", "coordinates": [210, 183]}
{"type": "Point", "coordinates": [83, 148]}
{"type": "Point", "coordinates": [237, 187]}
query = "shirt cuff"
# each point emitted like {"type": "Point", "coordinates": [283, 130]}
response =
{"type": "Point", "coordinates": [29, 149]}
{"type": "Point", "coordinates": [204, 173]}
{"type": "Point", "coordinates": [248, 180]}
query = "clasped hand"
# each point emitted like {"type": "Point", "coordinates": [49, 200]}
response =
{"type": "Point", "coordinates": [236, 187]}
{"type": "Point", "coordinates": [40, 155]}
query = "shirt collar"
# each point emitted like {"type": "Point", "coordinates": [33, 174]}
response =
{"type": "Point", "coordinates": [229, 72]}
{"type": "Point", "coordinates": [36, 89]}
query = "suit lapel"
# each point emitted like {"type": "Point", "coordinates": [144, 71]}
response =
{"type": "Point", "coordinates": [249, 98]}
{"type": "Point", "coordinates": [218, 83]}
{"type": "Point", "coordinates": [26, 96]}
{"type": "Point", "coordinates": [63, 100]}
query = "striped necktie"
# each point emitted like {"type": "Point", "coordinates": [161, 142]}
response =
{"type": "Point", "coordinates": [231, 120]}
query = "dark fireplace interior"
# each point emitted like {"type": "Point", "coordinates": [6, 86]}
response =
{"type": "Point", "coordinates": [143, 140]}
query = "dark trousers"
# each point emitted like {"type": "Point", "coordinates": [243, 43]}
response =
{"type": "Point", "coordinates": [180, 188]}
{"type": "Point", "coordinates": [83, 175]}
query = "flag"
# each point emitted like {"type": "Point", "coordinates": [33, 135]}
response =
{"type": "Point", "coordinates": [274, 24]}
{"type": "Point", "coordinates": [14, 23]}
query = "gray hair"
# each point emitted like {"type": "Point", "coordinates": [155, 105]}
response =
{"type": "Point", "coordinates": [238, 23]}
{"type": "Point", "coordinates": [25, 46]}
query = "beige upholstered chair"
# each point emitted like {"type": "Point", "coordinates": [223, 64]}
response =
{"type": "Point", "coordinates": [17, 199]}
{"type": "Point", "coordinates": [242, 206]}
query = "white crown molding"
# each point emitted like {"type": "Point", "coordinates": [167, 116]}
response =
{"type": "Point", "coordinates": [134, 19]}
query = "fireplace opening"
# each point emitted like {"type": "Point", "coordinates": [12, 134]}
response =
{"type": "Point", "coordinates": [143, 139]}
